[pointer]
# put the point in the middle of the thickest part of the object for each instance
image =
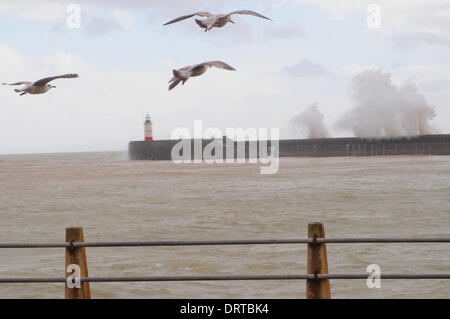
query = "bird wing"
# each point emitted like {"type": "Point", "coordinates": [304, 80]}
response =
{"type": "Point", "coordinates": [253, 13]}
{"type": "Point", "coordinates": [174, 84]}
{"type": "Point", "coordinates": [219, 64]}
{"type": "Point", "coordinates": [18, 83]}
{"type": "Point", "coordinates": [201, 14]}
{"type": "Point", "coordinates": [44, 81]}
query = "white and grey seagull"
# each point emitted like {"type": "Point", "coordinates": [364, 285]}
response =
{"type": "Point", "coordinates": [40, 86]}
{"type": "Point", "coordinates": [215, 20]}
{"type": "Point", "coordinates": [183, 74]}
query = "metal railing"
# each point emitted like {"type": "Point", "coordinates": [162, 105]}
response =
{"type": "Point", "coordinates": [317, 276]}
{"type": "Point", "coordinates": [161, 243]}
{"type": "Point", "coordinates": [223, 278]}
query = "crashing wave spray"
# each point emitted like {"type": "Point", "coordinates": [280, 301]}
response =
{"type": "Point", "coordinates": [310, 121]}
{"type": "Point", "coordinates": [383, 109]}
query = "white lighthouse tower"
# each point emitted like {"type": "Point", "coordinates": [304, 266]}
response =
{"type": "Point", "coordinates": [148, 124]}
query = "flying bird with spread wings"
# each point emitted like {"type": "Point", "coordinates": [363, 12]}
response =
{"type": "Point", "coordinates": [40, 86]}
{"type": "Point", "coordinates": [215, 20]}
{"type": "Point", "coordinates": [183, 74]}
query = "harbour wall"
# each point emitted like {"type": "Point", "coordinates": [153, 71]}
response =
{"type": "Point", "coordinates": [324, 147]}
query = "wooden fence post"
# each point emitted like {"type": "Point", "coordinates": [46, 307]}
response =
{"type": "Point", "coordinates": [77, 256]}
{"type": "Point", "coordinates": [317, 264]}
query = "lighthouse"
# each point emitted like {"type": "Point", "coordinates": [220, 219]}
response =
{"type": "Point", "coordinates": [148, 125]}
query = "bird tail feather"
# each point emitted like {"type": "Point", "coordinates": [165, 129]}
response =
{"type": "Point", "coordinates": [174, 84]}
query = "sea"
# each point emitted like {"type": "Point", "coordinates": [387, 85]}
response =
{"type": "Point", "coordinates": [116, 199]}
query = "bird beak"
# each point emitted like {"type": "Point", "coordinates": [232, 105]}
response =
{"type": "Point", "coordinates": [231, 21]}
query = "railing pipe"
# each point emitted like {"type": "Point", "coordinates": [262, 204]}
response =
{"type": "Point", "coordinates": [317, 276]}
{"type": "Point", "coordinates": [228, 278]}
{"type": "Point", "coordinates": [227, 242]}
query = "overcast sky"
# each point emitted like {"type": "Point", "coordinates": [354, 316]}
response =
{"type": "Point", "coordinates": [308, 54]}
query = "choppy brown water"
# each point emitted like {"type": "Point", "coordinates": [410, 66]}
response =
{"type": "Point", "coordinates": [116, 199]}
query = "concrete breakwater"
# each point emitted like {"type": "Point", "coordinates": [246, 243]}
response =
{"type": "Point", "coordinates": [438, 144]}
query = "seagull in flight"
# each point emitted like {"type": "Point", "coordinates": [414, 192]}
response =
{"type": "Point", "coordinates": [40, 86]}
{"type": "Point", "coordinates": [215, 20]}
{"type": "Point", "coordinates": [183, 74]}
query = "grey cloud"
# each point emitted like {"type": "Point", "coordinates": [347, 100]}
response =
{"type": "Point", "coordinates": [158, 11]}
{"type": "Point", "coordinates": [413, 40]}
{"type": "Point", "coordinates": [169, 9]}
{"type": "Point", "coordinates": [95, 27]}
{"type": "Point", "coordinates": [432, 18]}
{"type": "Point", "coordinates": [284, 32]}
{"type": "Point", "coordinates": [306, 68]}
{"type": "Point", "coordinates": [437, 85]}
{"type": "Point", "coordinates": [90, 26]}
{"type": "Point", "coordinates": [59, 28]}
{"type": "Point", "coordinates": [174, 6]}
